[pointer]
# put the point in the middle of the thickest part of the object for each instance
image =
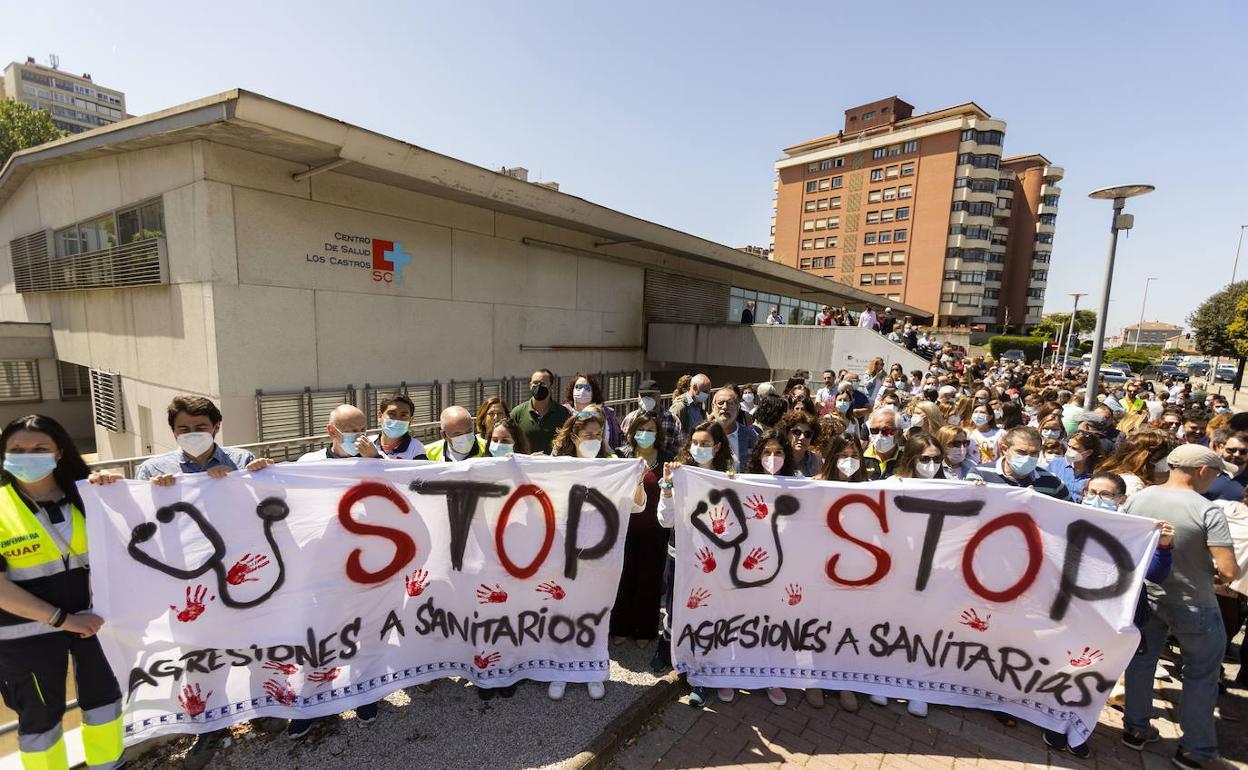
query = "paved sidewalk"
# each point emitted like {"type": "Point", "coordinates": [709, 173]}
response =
{"type": "Point", "coordinates": [751, 732]}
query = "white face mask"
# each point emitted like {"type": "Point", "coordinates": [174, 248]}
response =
{"type": "Point", "coordinates": [926, 469]}
{"type": "Point", "coordinates": [589, 447]}
{"type": "Point", "coordinates": [979, 418]}
{"type": "Point", "coordinates": [581, 394]}
{"type": "Point", "coordinates": [1074, 455]}
{"type": "Point", "coordinates": [773, 463]}
{"type": "Point", "coordinates": [883, 443]}
{"type": "Point", "coordinates": [463, 443]}
{"type": "Point", "coordinates": [499, 449]}
{"type": "Point", "coordinates": [848, 466]}
{"type": "Point", "coordinates": [955, 455]}
{"type": "Point", "coordinates": [195, 444]}
{"type": "Point", "coordinates": [701, 454]}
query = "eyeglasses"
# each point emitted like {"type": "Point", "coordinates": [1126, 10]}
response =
{"type": "Point", "coordinates": [1231, 451]}
{"type": "Point", "coordinates": [802, 433]}
{"type": "Point", "coordinates": [881, 431]}
{"type": "Point", "coordinates": [930, 458]}
{"type": "Point", "coordinates": [1101, 495]}
{"type": "Point", "coordinates": [959, 444]}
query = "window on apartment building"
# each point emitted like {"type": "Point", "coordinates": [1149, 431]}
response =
{"type": "Point", "coordinates": [831, 241]}
{"type": "Point", "coordinates": [804, 263]}
{"type": "Point", "coordinates": [886, 237]}
{"type": "Point", "coordinates": [875, 196]}
{"type": "Point", "coordinates": [873, 217]}
{"type": "Point", "coordinates": [877, 174]}
{"type": "Point", "coordinates": [905, 191]}
{"type": "Point", "coordinates": [1048, 219]}
{"type": "Point", "coordinates": [881, 279]}
{"type": "Point", "coordinates": [812, 186]}
{"type": "Point", "coordinates": [808, 225]}
{"type": "Point", "coordinates": [899, 257]}
{"type": "Point", "coordinates": [819, 242]}
{"type": "Point", "coordinates": [894, 278]}
{"type": "Point", "coordinates": [810, 206]}
{"type": "Point", "coordinates": [829, 262]}
{"type": "Point", "coordinates": [899, 235]}
{"type": "Point", "coordinates": [894, 150]}
{"type": "Point", "coordinates": [836, 182]}
{"type": "Point", "coordinates": [834, 222]}
{"type": "Point", "coordinates": [992, 275]}
{"type": "Point", "coordinates": [907, 169]}
{"type": "Point", "coordinates": [911, 146]}
{"type": "Point", "coordinates": [992, 293]}
{"type": "Point", "coordinates": [75, 380]}
{"type": "Point", "coordinates": [890, 193]}
{"type": "Point", "coordinates": [1044, 237]}
{"type": "Point", "coordinates": [807, 244]}
{"type": "Point", "coordinates": [19, 380]}
{"type": "Point", "coordinates": [974, 208]}
{"type": "Point", "coordinates": [825, 165]}
{"type": "Point", "coordinates": [865, 279]}
{"type": "Point", "coordinates": [903, 212]}
{"type": "Point", "coordinates": [868, 115]}
{"type": "Point", "coordinates": [1005, 203]}
{"type": "Point", "coordinates": [1039, 275]}
{"type": "Point", "coordinates": [869, 238]}
{"type": "Point", "coordinates": [813, 167]}
{"type": "Point", "coordinates": [891, 172]}
{"type": "Point", "coordinates": [951, 275]}
{"type": "Point", "coordinates": [1041, 256]}
{"type": "Point", "coordinates": [887, 215]}
{"type": "Point", "coordinates": [1005, 184]}
{"type": "Point", "coordinates": [822, 204]}
{"type": "Point", "coordinates": [835, 202]}
{"type": "Point", "coordinates": [879, 152]}
{"type": "Point", "coordinates": [825, 184]}
{"type": "Point", "coordinates": [838, 162]}
{"type": "Point", "coordinates": [1035, 293]}
{"type": "Point", "coordinates": [868, 259]}
{"type": "Point", "coordinates": [973, 278]}
{"type": "Point", "coordinates": [979, 161]}
{"type": "Point", "coordinates": [1049, 200]}
{"type": "Point", "coordinates": [983, 137]}
{"type": "Point", "coordinates": [821, 224]}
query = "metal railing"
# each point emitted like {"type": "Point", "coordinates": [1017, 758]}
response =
{"type": "Point", "coordinates": [141, 263]}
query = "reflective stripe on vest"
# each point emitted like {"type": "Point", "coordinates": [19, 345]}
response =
{"type": "Point", "coordinates": [437, 451]}
{"type": "Point", "coordinates": [28, 550]}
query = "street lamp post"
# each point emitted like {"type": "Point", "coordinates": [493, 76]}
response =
{"type": "Point", "coordinates": [1120, 222]}
{"type": "Point", "coordinates": [1074, 313]}
{"type": "Point", "coordinates": [1140, 327]}
{"type": "Point", "coordinates": [1240, 245]}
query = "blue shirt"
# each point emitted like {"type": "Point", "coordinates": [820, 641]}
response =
{"type": "Point", "coordinates": [1075, 482]}
{"type": "Point", "coordinates": [1225, 488]}
{"type": "Point", "coordinates": [177, 462]}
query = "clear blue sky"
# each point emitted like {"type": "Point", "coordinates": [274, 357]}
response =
{"type": "Point", "coordinates": [675, 111]}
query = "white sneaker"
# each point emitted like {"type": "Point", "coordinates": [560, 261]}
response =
{"type": "Point", "coordinates": [776, 695]}
{"type": "Point", "coordinates": [879, 700]}
{"type": "Point", "coordinates": [726, 694]}
{"type": "Point", "coordinates": [597, 690]}
{"type": "Point", "coordinates": [555, 691]}
{"type": "Point", "coordinates": [917, 708]}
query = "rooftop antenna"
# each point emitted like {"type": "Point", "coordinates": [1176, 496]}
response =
{"type": "Point", "coordinates": [54, 60]}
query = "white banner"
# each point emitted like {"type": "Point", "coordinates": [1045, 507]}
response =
{"type": "Point", "coordinates": [944, 592]}
{"type": "Point", "coordinates": [303, 590]}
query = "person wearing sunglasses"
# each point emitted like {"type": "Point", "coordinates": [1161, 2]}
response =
{"type": "Point", "coordinates": [803, 434]}
{"type": "Point", "coordinates": [881, 455]}
{"type": "Point", "coordinates": [959, 463]}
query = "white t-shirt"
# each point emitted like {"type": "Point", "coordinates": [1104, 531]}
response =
{"type": "Point", "coordinates": [984, 445]}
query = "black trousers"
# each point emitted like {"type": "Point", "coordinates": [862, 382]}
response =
{"type": "Point", "coordinates": [636, 611]}
{"type": "Point", "coordinates": [32, 678]}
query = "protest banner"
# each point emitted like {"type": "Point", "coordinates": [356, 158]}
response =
{"type": "Point", "coordinates": [946, 592]}
{"type": "Point", "coordinates": [307, 589]}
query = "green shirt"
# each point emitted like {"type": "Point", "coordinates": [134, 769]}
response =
{"type": "Point", "coordinates": [540, 430]}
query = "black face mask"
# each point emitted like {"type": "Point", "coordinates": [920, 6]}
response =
{"type": "Point", "coordinates": [540, 391]}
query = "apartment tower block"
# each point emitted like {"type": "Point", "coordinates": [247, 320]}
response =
{"type": "Point", "coordinates": [922, 209]}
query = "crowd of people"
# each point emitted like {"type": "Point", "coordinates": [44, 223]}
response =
{"type": "Point", "coordinates": [902, 331]}
{"type": "Point", "coordinates": [1160, 451]}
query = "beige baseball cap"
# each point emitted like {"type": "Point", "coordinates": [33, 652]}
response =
{"type": "Point", "coordinates": [1196, 456]}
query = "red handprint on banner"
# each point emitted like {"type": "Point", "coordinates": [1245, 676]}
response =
{"type": "Point", "coordinates": [487, 595]}
{"type": "Point", "coordinates": [705, 559]}
{"type": "Point", "coordinates": [281, 692]}
{"type": "Point", "coordinates": [697, 598]}
{"type": "Point", "coordinates": [971, 618]}
{"type": "Point", "coordinates": [1085, 658]}
{"type": "Point", "coordinates": [286, 669]}
{"type": "Point", "coordinates": [194, 604]}
{"type": "Point", "coordinates": [238, 574]}
{"type": "Point", "coordinates": [416, 582]}
{"type": "Point", "coordinates": [323, 677]}
{"type": "Point", "coordinates": [757, 506]}
{"type": "Point", "coordinates": [794, 594]}
{"type": "Point", "coordinates": [719, 519]}
{"type": "Point", "coordinates": [193, 701]}
{"type": "Point", "coordinates": [754, 559]}
{"type": "Point", "coordinates": [484, 661]}
{"type": "Point", "coordinates": [552, 591]}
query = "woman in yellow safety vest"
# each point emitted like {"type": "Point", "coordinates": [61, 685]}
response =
{"type": "Point", "coordinates": [45, 600]}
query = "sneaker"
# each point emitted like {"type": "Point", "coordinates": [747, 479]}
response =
{"type": "Point", "coordinates": [1133, 740]}
{"type": "Point", "coordinates": [1055, 740]}
{"type": "Point", "coordinates": [366, 713]}
{"type": "Point", "coordinates": [299, 728]}
{"type": "Point", "coordinates": [814, 697]}
{"type": "Point", "coordinates": [662, 661]}
{"type": "Point", "coordinates": [597, 690]}
{"type": "Point", "coordinates": [1186, 761]}
{"type": "Point", "coordinates": [1082, 751]}
{"type": "Point", "coordinates": [555, 690]}
{"type": "Point", "coordinates": [879, 700]}
{"type": "Point", "coordinates": [726, 694]}
{"type": "Point", "coordinates": [917, 708]}
{"type": "Point", "coordinates": [776, 695]}
{"type": "Point", "coordinates": [697, 697]}
{"type": "Point", "coordinates": [849, 700]}
{"type": "Point", "coordinates": [508, 691]}
{"type": "Point", "coordinates": [205, 748]}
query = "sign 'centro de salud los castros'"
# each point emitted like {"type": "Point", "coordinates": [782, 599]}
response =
{"type": "Point", "coordinates": [384, 259]}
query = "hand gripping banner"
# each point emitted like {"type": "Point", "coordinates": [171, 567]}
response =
{"type": "Point", "coordinates": [308, 589]}
{"type": "Point", "coordinates": [946, 592]}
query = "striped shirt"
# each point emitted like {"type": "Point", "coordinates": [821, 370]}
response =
{"type": "Point", "coordinates": [1040, 480]}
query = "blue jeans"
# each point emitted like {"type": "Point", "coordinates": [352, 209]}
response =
{"type": "Point", "coordinates": [1202, 642]}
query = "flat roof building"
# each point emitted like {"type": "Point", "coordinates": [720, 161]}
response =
{"type": "Point", "coordinates": [1150, 333]}
{"type": "Point", "coordinates": [280, 262]}
{"type": "Point", "coordinates": [76, 102]}
{"type": "Point", "coordinates": [921, 209]}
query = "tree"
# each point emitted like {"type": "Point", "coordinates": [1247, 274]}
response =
{"type": "Point", "coordinates": [1219, 328]}
{"type": "Point", "coordinates": [1052, 324]}
{"type": "Point", "coordinates": [23, 126]}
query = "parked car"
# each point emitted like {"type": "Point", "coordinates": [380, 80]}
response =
{"type": "Point", "coordinates": [1198, 369]}
{"type": "Point", "coordinates": [1162, 371]}
{"type": "Point", "coordinates": [1014, 356]}
{"type": "Point", "coordinates": [1121, 366]}
{"type": "Point", "coordinates": [1225, 374]}
{"type": "Point", "coordinates": [1114, 377]}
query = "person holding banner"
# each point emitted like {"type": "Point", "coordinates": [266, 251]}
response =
{"type": "Point", "coordinates": [843, 462]}
{"type": "Point", "coordinates": [195, 422]}
{"type": "Point", "coordinates": [1018, 465]}
{"type": "Point", "coordinates": [635, 614]}
{"type": "Point", "coordinates": [348, 433]}
{"type": "Point", "coordinates": [45, 600]}
{"type": "Point", "coordinates": [802, 432]}
{"type": "Point", "coordinates": [581, 436]}
{"type": "Point", "coordinates": [395, 441]}
{"type": "Point", "coordinates": [725, 409]}
{"type": "Point", "coordinates": [958, 461]}
{"type": "Point", "coordinates": [459, 440]}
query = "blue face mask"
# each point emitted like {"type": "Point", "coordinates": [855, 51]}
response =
{"type": "Point", "coordinates": [644, 438]}
{"type": "Point", "coordinates": [1095, 501]}
{"type": "Point", "coordinates": [500, 450]}
{"type": "Point", "coordinates": [348, 443]}
{"type": "Point", "coordinates": [1049, 435]}
{"type": "Point", "coordinates": [30, 467]}
{"type": "Point", "coordinates": [394, 428]}
{"type": "Point", "coordinates": [1023, 465]}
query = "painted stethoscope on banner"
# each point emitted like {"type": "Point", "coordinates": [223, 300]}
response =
{"type": "Point", "coordinates": [270, 510]}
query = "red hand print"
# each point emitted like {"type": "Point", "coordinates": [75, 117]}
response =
{"type": "Point", "coordinates": [971, 618]}
{"type": "Point", "coordinates": [289, 669]}
{"type": "Point", "coordinates": [194, 604]}
{"type": "Point", "coordinates": [193, 701]}
{"type": "Point", "coordinates": [754, 559]}
{"type": "Point", "coordinates": [487, 595]}
{"type": "Point", "coordinates": [328, 675]}
{"type": "Point", "coordinates": [416, 582]}
{"type": "Point", "coordinates": [552, 591]}
{"type": "Point", "coordinates": [1085, 658]}
{"type": "Point", "coordinates": [484, 661]}
{"type": "Point", "coordinates": [757, 505]}
{"type": "Point", "coordinates": [697, 598]}
{"type": "Point", "coordinates": [706, 560]}
{"type": "Point", "coordinates": [719, 519]}
{"type": "Point", "coordinates": [281, 692]}
{"type": "Point", "coordinates": [794, 592]}
{"type": "Point", "coordinates": [244, 567]}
